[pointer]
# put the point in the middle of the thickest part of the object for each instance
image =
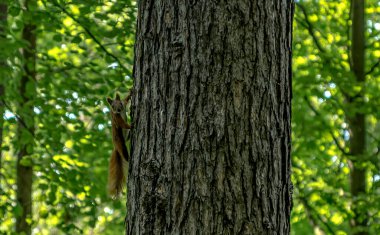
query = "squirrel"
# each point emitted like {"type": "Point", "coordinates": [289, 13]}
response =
{"type": "Point", "coordinates": [119, 158]}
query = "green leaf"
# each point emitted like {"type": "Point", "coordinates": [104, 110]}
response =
{"type": "Point", "coordinates": [26, 161]}
{"type": "Point", "coordinates": [57, 37]}
{"type": "Point", "coordinates": [52, 194]}
{"type": "Point", "coordinates": [43, 186]}
{"type": "Point", "coordinates": [76, 40]}
{"type": "Point", "coordinates": [5, 148]}
{"type": "Point", "coordinates": [14, 11]}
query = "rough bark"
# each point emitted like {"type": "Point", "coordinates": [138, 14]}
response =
{"type": "Point", "coordinates": [211, 108]}
{"type": "Point", "coordinates": [26, 125]}
{"type": "Point", "coordinates": [356, 121]}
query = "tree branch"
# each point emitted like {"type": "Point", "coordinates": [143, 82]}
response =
{"type": "Point", "coordinates": [311, 211]}
{"type": "Point", "coordinates": [19, 119]}
{"type": "Point", "coordinates": [22, 122]}
{"type": "Point", "coordinates": [310, 28]}
{"type": "Point", "coordinates": [373, 68]}
{"type": "Point", "coordinates": [336, 141]}
{"type": "Point", "coordinates": [92, 36]}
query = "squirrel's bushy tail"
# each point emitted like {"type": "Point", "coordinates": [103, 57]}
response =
{"type": "Point", "coordinates": [116, 176]}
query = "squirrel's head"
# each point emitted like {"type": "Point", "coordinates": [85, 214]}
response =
{"type": "Point", "coordinates": [116, 105]}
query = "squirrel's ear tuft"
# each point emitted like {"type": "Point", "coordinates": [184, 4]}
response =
{"type": "Point", "coordinates": [117, 96]}
{"type": "Point", "coordinates": [109, 100]}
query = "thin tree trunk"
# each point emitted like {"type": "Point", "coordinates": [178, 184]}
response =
{"type": "Point", "coordinates": [357, 121]}
{"type": "Point", "coordinates": [211, 110]}
{"type": "Point", "coordinates": [3, 65]}
{"type": "Point", "coordinates": [26, 124]}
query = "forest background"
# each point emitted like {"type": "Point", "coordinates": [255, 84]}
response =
{"type": "Point", "coordinates": [84, 53]}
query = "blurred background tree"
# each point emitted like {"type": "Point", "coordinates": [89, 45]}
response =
{"type": "Point", "coordinates": [57, 120]}
{"type": "Point", "coordinates": [335, 117]}
{"type": "Point", "coordinates": [84, 52]}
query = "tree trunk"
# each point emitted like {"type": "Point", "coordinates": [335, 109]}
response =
{"type": "Point", "coordinates": [26, 124]}
{"type": "Point", "coordinates": [3, 67]}
{"type": "Point", "coordinates": [211, 110]}
{"type": "Point", "coordinates": [356, 122]}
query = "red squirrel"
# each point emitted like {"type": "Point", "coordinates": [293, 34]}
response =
{"type": "Point", "coordinates": [119, 158]}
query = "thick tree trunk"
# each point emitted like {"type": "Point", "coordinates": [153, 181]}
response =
{"type": "Point", "coordinates": [357, 122]}
{"type": "Point", "coordinates": [26, 125]}
{"type": "Point", "coordinates": [211, 111]}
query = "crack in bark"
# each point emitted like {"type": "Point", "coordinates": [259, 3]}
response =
{"type": "Point", "coordinates": [224, 93]}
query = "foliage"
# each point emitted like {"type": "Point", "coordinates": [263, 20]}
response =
{"type": "Point", "coordinates": [85, 50]}
{"type": "Point", "coordinates": [322, 77]}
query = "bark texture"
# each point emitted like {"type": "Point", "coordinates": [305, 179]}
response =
{"type": "Point", "coordinates": [211, 108]}
{"type": "Point", "coordinates": [26, 126]}
{"type": "Point", "coordinates": [356, 122]}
